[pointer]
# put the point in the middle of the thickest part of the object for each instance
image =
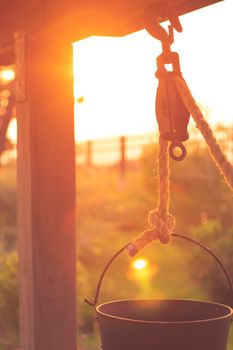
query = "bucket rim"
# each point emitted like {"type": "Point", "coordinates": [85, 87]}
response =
{"type": "Point", "coordinates": [228, 315]}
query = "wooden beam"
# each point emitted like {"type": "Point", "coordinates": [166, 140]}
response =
{"type": "Point", "coordinates": [80, 19]}
{"type": "Point", "coordinates": [46, 195]}
{"type": "Point", "coordinates": [76, 21]}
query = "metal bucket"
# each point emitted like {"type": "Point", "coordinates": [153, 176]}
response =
{"type": "Point", "coordinates": [163, 324]}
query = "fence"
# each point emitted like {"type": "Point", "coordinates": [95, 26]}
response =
{"type": "Point", "coordinates": [119, 150]}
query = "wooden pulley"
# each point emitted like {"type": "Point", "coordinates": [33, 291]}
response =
{"type": "Point", "coordinates": [171, 113]}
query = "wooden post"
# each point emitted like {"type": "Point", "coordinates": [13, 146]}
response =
{"type": "Point", "coordinates": [46, 194]}
{"type": "Point", "coordinates": [89, 153]}
{"type": "Point", "coordinates": [123, 157]}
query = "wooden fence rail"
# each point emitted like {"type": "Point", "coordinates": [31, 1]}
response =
{"type": "Point", "coordinates": [120, 150]}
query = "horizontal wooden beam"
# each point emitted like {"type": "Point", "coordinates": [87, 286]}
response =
{"type": "Point", "coordinates": [73, 20]}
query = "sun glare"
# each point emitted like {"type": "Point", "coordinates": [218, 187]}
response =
{"type": "Point", "coordinates": [7, 75]}
{"type": "Point", "coordinates": [140, 264]}
{"type": "Point", "coordinates": [12, 131]}
{"type": "Point", "coordinates": [108, 77]}
{"type": "Point", "coordinates": [115, 83]}
{"type": "Point", "coordinates": [142, 269]}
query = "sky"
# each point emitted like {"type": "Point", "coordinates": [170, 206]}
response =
{"type": "Point", "coordinates": [116, 78]}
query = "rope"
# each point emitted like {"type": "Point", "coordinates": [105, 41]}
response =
{"type": "Point", "coordinates": [161, 221]}
{"type": "Point", "coordinates": [225, 167]}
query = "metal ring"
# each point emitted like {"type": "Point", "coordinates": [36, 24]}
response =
{"type": "Point", "coordinates": [182, 150]}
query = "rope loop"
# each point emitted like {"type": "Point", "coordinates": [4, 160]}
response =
{"type": "Point", "coordinates": [164, 225]}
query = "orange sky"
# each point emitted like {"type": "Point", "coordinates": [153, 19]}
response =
{"type": "Point", "coordinates": [116, 75]}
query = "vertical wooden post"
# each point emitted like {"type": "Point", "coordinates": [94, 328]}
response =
{"type": "Point", "coordinates": [46, 194]}
{"type": "Point", "coordinates": [123, 157]}
{"type": "Point", "coordinates": [88, 153]}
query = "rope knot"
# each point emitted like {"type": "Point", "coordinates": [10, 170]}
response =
{"type": "Point", "coordinates": [162, 224]}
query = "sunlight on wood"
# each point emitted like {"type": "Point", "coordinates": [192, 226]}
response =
{"type": "Point", "coordinates": [12, 131]}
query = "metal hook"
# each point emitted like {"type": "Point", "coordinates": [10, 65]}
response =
{"type": "Point", "coordinates": [159, 12]}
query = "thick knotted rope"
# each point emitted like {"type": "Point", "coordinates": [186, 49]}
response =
{"type": "Point", "coordinates": [225, 167]}
{"type": "Point", "coordinates": [161, 221]}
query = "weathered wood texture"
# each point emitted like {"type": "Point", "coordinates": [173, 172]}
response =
{"type": "Point", "coordinates": [46, 198]}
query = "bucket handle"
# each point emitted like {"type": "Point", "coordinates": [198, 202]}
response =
{"type": "Point", "coordinates": [187, 238]}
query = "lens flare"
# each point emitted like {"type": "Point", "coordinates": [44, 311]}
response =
{"type": "Point", "coordinates": [7, 75]}
{"type": "Point", "coordinates": [140, 264]}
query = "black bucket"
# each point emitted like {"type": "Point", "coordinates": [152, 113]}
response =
{"type": "Point", "coordinates": [163, 324]}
